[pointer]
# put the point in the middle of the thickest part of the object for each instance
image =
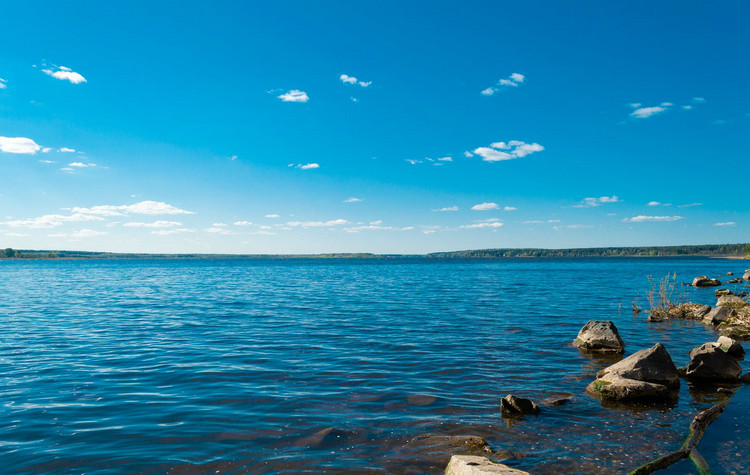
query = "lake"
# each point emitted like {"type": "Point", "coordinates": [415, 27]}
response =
{"type": "Point", "coordinates": [292, 365]}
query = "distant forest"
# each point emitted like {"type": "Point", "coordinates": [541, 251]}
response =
{"type": "Point", "coordinates": [707, 250]}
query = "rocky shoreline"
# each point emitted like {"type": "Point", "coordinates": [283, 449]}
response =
{"type": "Point", "coordinates": [646, 376]}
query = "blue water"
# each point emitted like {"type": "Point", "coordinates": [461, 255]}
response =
{"type": "Point", "coordinates": [267, 366]}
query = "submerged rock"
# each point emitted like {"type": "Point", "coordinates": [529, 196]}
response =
{"type": "Point", "coordinates": [731, 346]}
{"type": "Point", "coordinates": [599, 335]}
{"type": "Point", "coordinates": [709, 362]}
{"type": "Point", "coordinates": [467, 444]}
{"type": "Point", "coordinates": [475, 465]}
{"type": "Point", "coordinates": [718, 315]}
{"type": "Point", "coordinates": [704, 281]}
{"type": "Point", "coordinates": [646, 374]}
{"type": "Point", "coordinates": [511, 405]}
{"type": "Point", "coordinates": [720, 292]}
{"type": "Point", "coordinates": [736, 280]}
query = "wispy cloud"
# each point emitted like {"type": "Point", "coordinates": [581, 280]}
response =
{"type": "Point", "coordinates": [169, 232]}
{"type": "Point", "coordinates": [346, 79]}
{"type": "Point", "coordinates": [317, 224]}
{"type": "Point", "coordinates": [3, 83]}
{"type": "Point", "coordinates": [485, 206]}
{"type": "Point", "coordinates": [728, 223]}
{"type": "Point", "coordinates": [643, 112]}
{"type": "Point", "coordinates": [243, 223]}
{"type": "Point", "coordinates": [144, 207]}
{"type": "Point", "coordinates": [81, 165]}
{"type": "Point", "coordinates": [294, 95]}
{"type": "Point", "coordinates": [493, 223]}
{"type": "Point", "coordinates": [509, 208]}
{"type": "Point", "coordinates": [352, 200]}
{"type": "Point", "coordinates": [50, 220]}
{"type": "Point", "coordinates": [20, 145]}
{"type": "Point", "coordinates": [64, 74]}
{"type": "Point", "coordinates": [447, 208]}
{"type": "Point", "coordinates": [514, 80]}
{"type": "Point", "coordinates": [86, 233]}
{"type": "Point", "coordinates": [273, 216]}
{"type": "Point", "coordinates": [690, 205]}
{"type": "Point", "coordinates": [500, 151]}
{"type": "Point", "coordinates": [304, 166]}
{"type": "Point", "coordinates": [592, 202]}
{"type": "Point", "coordinates": [155, 224]}
{"type": "Point", "coordinates": [66, 150]}
{"type": "Point", "coordinates": [647, 219]}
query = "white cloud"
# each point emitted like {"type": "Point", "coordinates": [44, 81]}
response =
{"type": "Point", "coordinates": [643, 112]}
{"type": "Point", "coordinates": [19, 145]}
{"type": "Point", "coordinates": [511, 81]}
{"type": "Point", "coordinates": [500, 151]}
{"type": "Point", "coordinates": [64, 74]}
{"type": "Point", "coordinates": [272, 216]}
{"type": "Point", "coordinates": [485, 206]}
{"type": "Point", "coordinates": [449, 208]}
{"type": "Point", "coordinates": [66, 150]}
{"type": "Point", "coordinates": [592, 202]}
{"type": "Point", "coordinates": [232, 158]}
{"type": "Point", "coordinates": [468, 154]}
{"type": "Point", "coordinates": [3, 83]}
{"type": "Point", "coordinates": [155, 224]}
{"type": "Point", "coordinates": [346, 79]}
{"type": "Point", "coordinates": [294, 96]}
{"type": "Point", "coordinates": [85, 233]}
{"type": "Point", "coordinates": [308, 166]}
{"type": "Point", "coordinates": [690, 205]}
{"type": "Point", "coordinates": [50, 221]}
{"type": "Point", "coordinates": [243, 223]}
{"type": "Point", "coordinates": [412, 161]}
{"type": "Point", "coordinates": [654, 203]}
{"type": "Point", "coordinates": [167, 232]}
{"type": "Point", "coordinates": [144, 207]}
{"type": "Point", "coordinates": [483, 225]}
{"type": "Point", "coordinates": [81, 165]}
{"type": "Point", "coordinates": [644, 219]}
{"type": "Point", "coordinates": [510, 208]}
{"type": "Point", "coordinates": [687, 108]}
{"type": "Point", "coordinates": [699, 100]}
{"type": "Point", "coordinates": [445, 159]}
{"type": "Point", "coordinates": [317, 224]}
{"type": "Point", "coordinates": [728, 223]}
{"type": "Point", "coordinates": [46, 149]}
{"type": "Point", "coordinates": [218, 230]}
{"type": "Point", "coordinates": [352, 200]}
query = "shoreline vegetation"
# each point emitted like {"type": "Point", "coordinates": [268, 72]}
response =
{"type": "Point", "coordinates": [730, 251]}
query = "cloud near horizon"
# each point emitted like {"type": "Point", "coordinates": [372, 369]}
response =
{"type": "Point", "coordinates": [143, 207]}
{"type": "Point", "coordinates": [485, 206]}
{"type": "Point", "coordinates": [647, 219]}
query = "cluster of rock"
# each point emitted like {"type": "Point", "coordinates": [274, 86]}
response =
{"type": "Point", "coordinates": [477, 465]}
{"type": "Point", "coordinates": [651, 373]}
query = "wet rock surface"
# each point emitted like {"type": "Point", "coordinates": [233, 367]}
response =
{"type": "Point", "coordinates": [512, 405]}
{"type": "Point", "coordinates": [646, 374]}
{"type": "Point", "coordinates": [704, 281]}
{"type": "Point", "coordinates": [599, 336]}
{"type": "Point", "coordinates": [476, 465]}
{"type": "Point", "coordinates": [709, 362]}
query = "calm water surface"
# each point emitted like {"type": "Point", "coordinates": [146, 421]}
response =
{"type": "Point", "coordinates": [265, 366]}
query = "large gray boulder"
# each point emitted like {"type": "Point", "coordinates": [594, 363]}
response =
{"type": "Point", "coordinates": [476, 465]}
{"type": "Point", "coordinates": [718, 315]}
{"type": "Point", "coordinates": [746, 276]}
{"type": "Point", "coordinates": [600, 336]}
{"type": "Point", "coordinates": [709, 362]}
{"type": "Point", "coordinates": [703, 281]}
{"type": "Point", "coordinates": [731, 346]}
{"type": "Point", "coordinates": [699, 313]}
{"type": "Point", "coordinates": [646, 374]}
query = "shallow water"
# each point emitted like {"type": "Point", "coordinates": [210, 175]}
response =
{"type": "Point", "coordinates": [334, 365]}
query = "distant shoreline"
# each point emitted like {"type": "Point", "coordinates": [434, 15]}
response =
{"type": "Point", "coordinates": [718, 251]}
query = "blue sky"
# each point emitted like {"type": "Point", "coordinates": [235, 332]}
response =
{"type": "Point", "coordinates": [395, 127]}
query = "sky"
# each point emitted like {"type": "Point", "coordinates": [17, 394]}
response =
{"type": "Point", "coordinates": [386, 127]}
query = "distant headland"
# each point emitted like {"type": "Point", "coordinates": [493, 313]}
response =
{"type": "Point", "coordinates": [702, 250]}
